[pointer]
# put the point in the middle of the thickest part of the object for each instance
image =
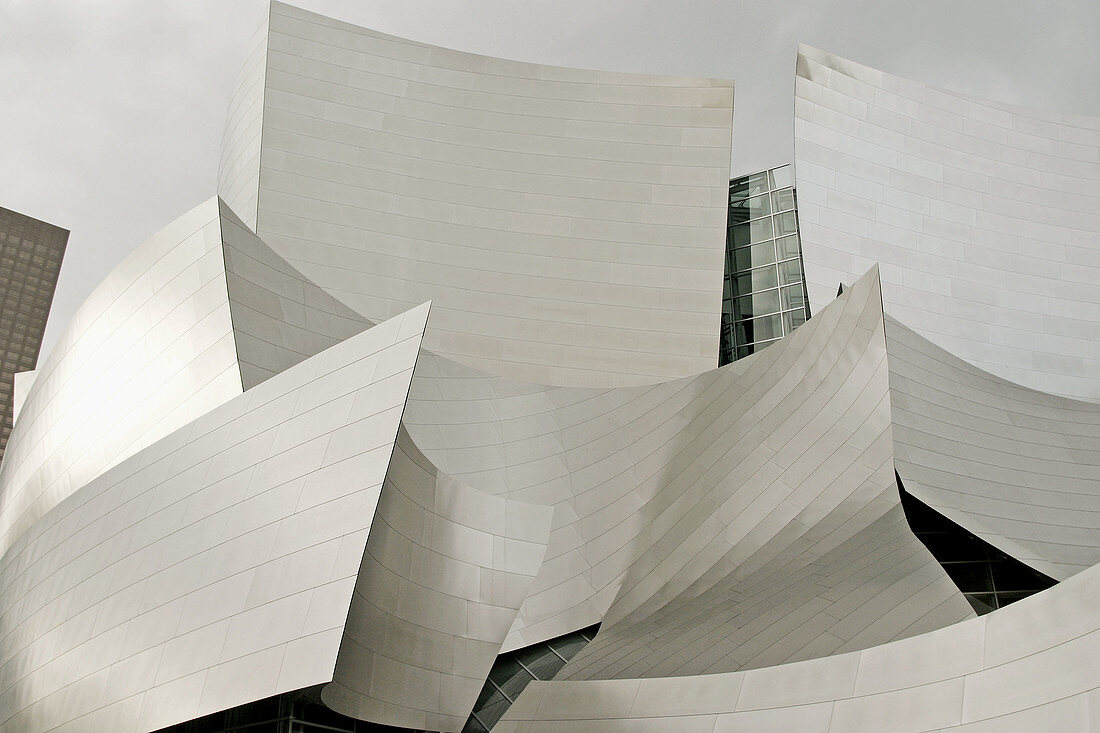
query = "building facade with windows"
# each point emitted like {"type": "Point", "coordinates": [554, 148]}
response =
{"type": "Point", "coordinates": [763, 293]}
{"type": "Point", "coordinates": [30, 261]}
{"type": "Point", "coordinates": [419, 422]}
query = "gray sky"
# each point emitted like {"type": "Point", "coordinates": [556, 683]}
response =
{"type": "Point", "coordinates": [111, 111]}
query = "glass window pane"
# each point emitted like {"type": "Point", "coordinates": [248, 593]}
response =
{"type": "Point", "coordinates": [982, 602]}
{"type": "Point", "coordinates": [743, 331]}
{"type": "Point", "coordinates": [754, 256]}
{"type": "Point", "coordinates": [953, 546]}
{"type": "Point", "coordinates": [750, 208]}
{"type": "Point", "coordinates": [757, 304]}
{"type": "Point", "coordinates": [793, 297]}
{"type": "Point", "coordinates": [790, 272]}
{"type": "Point", "coordinates": [1003, 599]}
{"type": "Point", "coordinates": [509, 676]}
{"type": "Point", "coordinates": [787, 247]}
{"type": "Point", "coordinates": [783, 200]}
{"type": "Point", "coordinates": [753, 231]}
{"type": "Point", "coordinates": [743, 351]}
{"type": "Point", "coordinates": [793, 319]}
{"type": "Point", "coordinates": [782, 177]}
{"type": "Point", "coordinates": [786, 223]}
{"type": "Point", "coordinates": [971, 577]}
{"type": "Point", "coordinates": [748, 186]}
{"type": "Point", "coordinates": [759, 329]}
{"type": "Point", "coordinates": [759, 345]}
{"type": "Point", "coordinates": [759, 279]}
{"type": "Point", "coordinates": [473, 725]}
{"type": "Point", "coordinates": [257, 712]}
{"type": "Point", "coordinates": [490, 705]}
{"type": "Point", "coordinates": [542, 662]}
{"type": "Point", "coordinates": [1012, 575]}
{"type": "Point", "coordinates": [569, 646]}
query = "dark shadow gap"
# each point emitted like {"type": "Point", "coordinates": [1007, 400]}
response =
{"type": "Point", "coordinates": [986, 576]}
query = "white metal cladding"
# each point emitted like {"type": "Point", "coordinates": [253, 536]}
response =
{"type": "Point", "coordinates": [215, 567]}
{"type": "Point", "coordinates": [239, 165]}
{"type": "Point", "coordinates": [985, 218]}
{"type": "Point", "coordinates": [279, 316]}
{"type": "Point", "coordinates": [1028, 667]}
{"type": "Point", "coordinates": [568, 225]}
{"type": "Point", "coordinates": [196, 314]}
{"type": "Point", "coordinates": [1018, 468]}
{"type": "Point", "coordinates": [21, 385]}
{"type": "Point", "coordinates": [880, 585]}
{"type": "Point", "coordinates": [150, 350]}
{"type": "Point", "coordinates": [768, 463]}
{"type": "Point", "coordinates": [445, 570]}
{"type": "Point", "coordinates": [174, 547]}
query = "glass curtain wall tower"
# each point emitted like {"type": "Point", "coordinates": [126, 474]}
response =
{"type": "Point", "coordinates": [763, 296]}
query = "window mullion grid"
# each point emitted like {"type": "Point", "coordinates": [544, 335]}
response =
{"type": "Point", "coordinates": [555, 651]}
{"type": "Point", "coordinates": [525, 669]}
{"type": "Point", "coordinates": [502, 692]}
{"type": "Point", "coordinates": [481, 722]}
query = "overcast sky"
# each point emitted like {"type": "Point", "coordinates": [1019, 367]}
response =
{"type": "Point", "coordinates": [111, 111]}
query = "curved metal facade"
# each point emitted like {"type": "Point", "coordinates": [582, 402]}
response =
{"type": "Point", "coordinates": [150, 350]}
{"type": "Point", "coordinates": [227, 484]}
{"type": "Point", "coordinates": [983, 218]}
{"type": "Point", "coordinates": [689, 487]}
{"type": "Point", "coordinates": [239, 166]}
{"type": "Point", "coordinates": [1016, 467]}
{"type": "Point", "coordinates": [195, 315]}
{"type": "Point", "coordinates": [445, 570]}
{"type": "Point", "coordinates": [279, 316]}
{"type": "Point", "coordinates": [568, 225]}
{"type": "Point", "coordinates": [216, 566]}
{"type": "Point", "coordinates": [1027, 667]}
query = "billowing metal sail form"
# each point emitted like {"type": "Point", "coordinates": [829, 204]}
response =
{"type": "Point", "coordinates": [255, 469]}
{"type": "Point", "coordinates": [568, 225]}
{"type": "Point", "coordinates": [982, 216]}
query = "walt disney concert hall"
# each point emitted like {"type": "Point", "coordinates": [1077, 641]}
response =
{"type": "Point", "coordinates": [478, 397]}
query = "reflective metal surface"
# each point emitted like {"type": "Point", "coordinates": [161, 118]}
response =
{"type": "Point", "coordinates": [983, 218]}
{"type": "Point", "coordinates": [225, 485]}
{"type": "Point", "coordinates": [150, 350]}
{"type": "Point", "coordinates": [445, 570]}
{"type": "Point", "coordinates": [279, 316]}
{"type": "Point", "coordinates": [677, 499]}
{"type": "Point", "coordinates": [568, 225]}
{"type": "Point", "coordinates": [196, 314]}
{"type": "Point", "coordinates": [1016, 467]}
{"type": "Point", "coordinates": [216, 566]}
{"type": "Point", "coordinates": [1028, 667]}
{"type": "Point", "coordinates": [239, 166]}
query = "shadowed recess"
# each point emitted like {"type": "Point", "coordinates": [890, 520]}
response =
{"type": "Point", "coordinates": [988, 578]}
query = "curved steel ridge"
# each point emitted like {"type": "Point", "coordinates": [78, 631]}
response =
{"type": "Point", "coordinates": [680, 497]}
{"type": "Point", "coordinates": [1030, 666]}
{"type": "Point", "coordinates": [194, 316]}
{"type": "Point", "coordinates": [445, 570]}
{"type": "Point", "coordinates": [215, 567]}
